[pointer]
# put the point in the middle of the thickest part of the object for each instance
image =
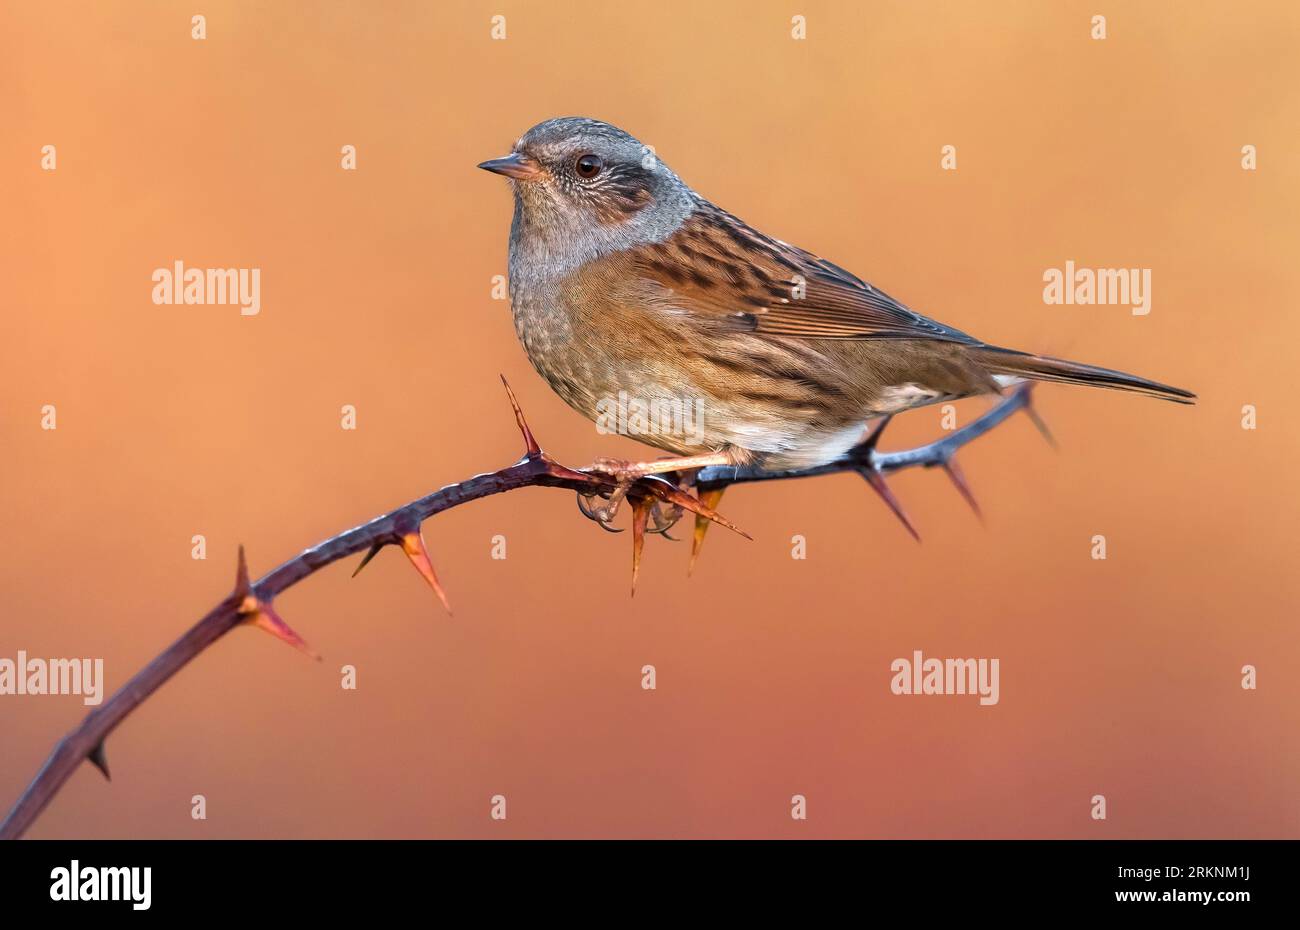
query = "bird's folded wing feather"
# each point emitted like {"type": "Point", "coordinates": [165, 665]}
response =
{"type": "Point", "coordinates": [723, 271]}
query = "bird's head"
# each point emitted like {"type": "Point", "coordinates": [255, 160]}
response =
{"type": "Point", "coordinates": [592, 184]}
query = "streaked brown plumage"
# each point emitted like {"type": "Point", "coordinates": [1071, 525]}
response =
{"type": "Point", "coordinates": [628, 281]}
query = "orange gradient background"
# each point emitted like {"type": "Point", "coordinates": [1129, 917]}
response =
{"type": "Point", "coordinates": [1118, 677]}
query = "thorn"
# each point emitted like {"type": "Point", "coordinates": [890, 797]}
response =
{"type": "Point", "coordinates": [565, 473]}
{"type": "Point", "coordinates": [959, 479]}
{"type": "Point", "coordinates": [1034, 417]}
{"type": "Point", "coordinates": [415, 549]}
{"type": "Point", "coordinates": [877, 482]}
{"type": "Point", "coordinates": [873, 437]}
{"type": "Point", "coordinates": [640, 514]}
{"type": "Point", "coordinates": [709, 499]}
{"type": "Point", "coordinates": [263, 616]}
{"type": "Point", "coordinates": [242, 585]}
{"type": "Point", "coordinates": [531, 448]}
{"type": "Point", "coordinates": [99, 759]}
{"type": "Point", "coordinates": [674, 495]}
{"type": "Point", "coordinates": [374, 551]}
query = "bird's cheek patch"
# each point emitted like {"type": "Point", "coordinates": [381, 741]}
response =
{"type": "Point", "coordinates": [617, 204]}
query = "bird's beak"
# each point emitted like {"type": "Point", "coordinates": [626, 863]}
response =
{"type": "Point", "coordinates": [515, 165]}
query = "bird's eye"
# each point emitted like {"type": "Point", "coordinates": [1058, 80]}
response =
{"type": "Point", "coordinates": [588, 166]}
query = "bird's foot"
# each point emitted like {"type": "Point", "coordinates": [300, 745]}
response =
{"type": "Point", "coordinates": [600, 514]}
{"type": "Point", "coordinates": [625, 474]}
{"type": "Point", "coordinates": [662, 516]}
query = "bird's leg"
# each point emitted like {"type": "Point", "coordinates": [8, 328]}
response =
{"type": "Point", "coordinates": [626, 474]}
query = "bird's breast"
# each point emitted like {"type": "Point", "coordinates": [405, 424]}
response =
{"type": "Point", "coordinates": [546, 329]}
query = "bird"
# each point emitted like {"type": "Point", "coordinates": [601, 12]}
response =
{"type": "Point", "coordinates": [629, 288]}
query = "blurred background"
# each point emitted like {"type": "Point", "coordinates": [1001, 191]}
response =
{"type": "Point", "coordinates": [1118, 677]}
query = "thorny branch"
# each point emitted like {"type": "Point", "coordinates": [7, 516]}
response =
{"type": "Point", "coordinates": [251, 603]}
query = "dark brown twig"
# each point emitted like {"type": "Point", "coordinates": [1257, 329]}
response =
{"type": "Point", "coordinates": [251, 603]}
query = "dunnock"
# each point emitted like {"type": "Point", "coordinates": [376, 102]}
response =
{"type": "Point", "coordinates": [628, 287]}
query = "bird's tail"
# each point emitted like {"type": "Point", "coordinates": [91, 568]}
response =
{"type": "Point", "coordinates": [1045, 368]}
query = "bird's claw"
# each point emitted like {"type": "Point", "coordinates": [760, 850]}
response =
{"type": "Point", "coordinates": [624, 476]}
{"type": "Point", "coordinates": [661, 517]}
{"type": "Point", "coordinates": [600, 514]}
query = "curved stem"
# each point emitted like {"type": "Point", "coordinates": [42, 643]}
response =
{"type": "Point", "coordinates": [535, 469]}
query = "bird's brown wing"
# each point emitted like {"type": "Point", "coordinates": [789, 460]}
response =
{"type": "Point", "coordinates": [720, 269]}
